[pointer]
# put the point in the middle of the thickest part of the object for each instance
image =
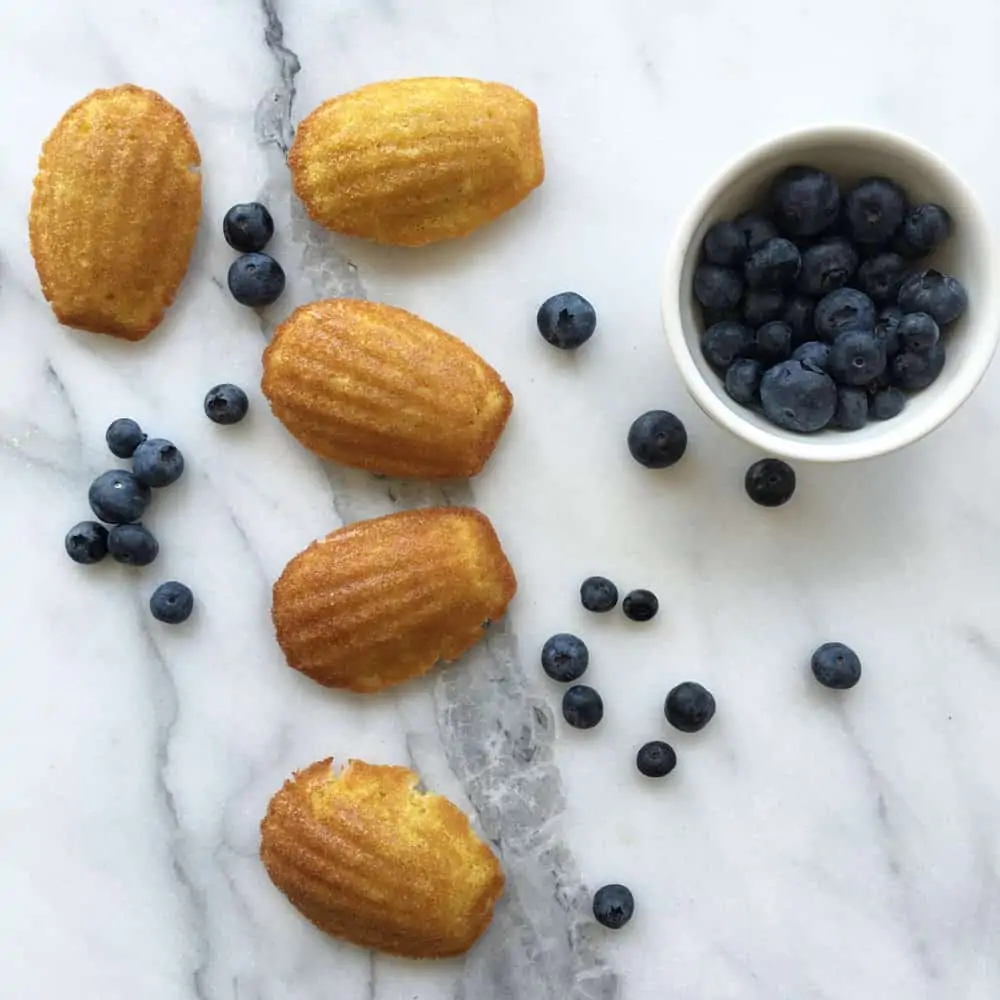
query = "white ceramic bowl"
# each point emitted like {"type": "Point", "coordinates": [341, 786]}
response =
{"type": "Point", "coordinates": [849, 153]}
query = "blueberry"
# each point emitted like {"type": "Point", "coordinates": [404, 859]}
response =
{"type": "Point", "coordinates": [797, 398]}
{"type": "Point", "coordinates": [804, 201]}
{"type": "Point", "coordinates": [255, 279]}
{"type": "Point", "coordinates": [567, 320]}
{"type": "Point", "coordinates": [874, 209]}
{"type": "Point", "coordinates": [717, 287]}
{"type": "Point", "coordinates": [887, 328]}
{"type": "Point", "coordinates": [132, 544]}
{"type": "Point", "coordinates": [844, 309]}
{"type": "Point", "coordinates": [565, 657]}
{"type": "Point", "coordinates": [598, 593]}
{"type": "Point", "coordinates": [826, 266]}
{"type": "Point", "coordinates": [582, 707]}
{"type": "Point", "coordinates": [814, 355]}
{"type": "Point", "coordinates": [226, 404]}
{"type": "Point", "coordinates": [933, 292]}
{"type": "Point", "coordinates": [689, 707]}
{"type": "Point", "coordinates": [770, 482]}
{"type": "Point", "coordinates": [852, 408]}
{"type": "Point", "coordinates": [613, 906]}
{"type": "Point", "coordinates": [773, 342]}
{"type": "Point", "coordinates": [656, 759]}
{"type": "Point", "coordinates": [835, 665]}
{"type": "Point", "coordinates": [723, 343]}
{"type": "Point", "coordinates": [886, 403]}
{"type": "Point", "coordinates": [743, 380]}
{"type": "Point", "coordinates": [247, 228]}
{"type": "Point", "coordinates": [157, 462]}
{"type": "Point", "coordinates": [761, 305]}
{"type": "Point", "coordinates": [657, 439]}
{"type": "Point", "coordinates": [798, 315]}
{"type": "Point", "coordinates": [87, 542]}
{"type": "Point", "coordinates": [726, 245]}
{"type": "Point", "coordinates": [756, 228]}
{"type": "Point", "coordinates": [911, 371]}
{"type": "Point", "coordinates": [123, 436]}
{"type": "Point", "coordinates": [710, 317]}
{"type": "Point", "coordinates": [118, 497]}
{"type": "Point", "coordinates": [856, 357]}
{"type": "Point", "coordinates": [880, 277]}
{"type": "Point", "coordinates": [918, 332]}
{"type": "Point", "coordinates": [924, 229]}
{"type": "Point", "coordinates": [172, 603]}
{"type": "Point", "coordinates": [640, 605]}
{"type": "Point", "coordinates": [774, 264]}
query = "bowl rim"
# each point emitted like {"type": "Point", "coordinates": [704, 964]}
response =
{"type": "Point", "coordinates": [807, 448]}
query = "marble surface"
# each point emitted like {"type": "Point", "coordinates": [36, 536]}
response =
{"type": "Point", "coordinates": [808, 845]}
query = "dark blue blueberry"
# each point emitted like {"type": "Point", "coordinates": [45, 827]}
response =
{"type": "Point", "coordinates": [657, 439]}
{"type": "Point", "coordinates": [918, 332]}
{"type": "Point", "coordinates": [582, 707]}
{"type": "Point", "coordinates": [844, 309]}
{"type": "Point", "coordinates": [726, 245]}
{"type": "Point", "coordinates": [814, 355]}
{"type": "Point", "coordinates": [880, 277]}
{"type": "Point", "coordinates": [856, 357]}
{"type": "Point", "coordinates": [255, 279]}
{"type": "Point", "coordinates": [247, 228]}
{"type": "Point", "coordinates": [723, 343]}
{"type": "Point", "coordinates": [826, 266]}
{"type": "Point", "coordinates": [912, 371]}
{"type": "Point", "coordinates": [773, 342]}
{"type": "Point", "coordinates": [770, 482]}
{"type": "Point", "coordinates": [774, 264]}
{"type": "Point", "coordinates": [932, 292]}
{"type": "Point", "coordinates": [874, 209]}
{"type": "Point", "coordinates": [886, 403]}
{"type": "Point", "coordinates": [689, 707]}
{"type": "Point", "coordinates": [640, 605]}
{"type": "Point", "coordinates": [656, 759]}
{"type": "Point", "coordinates": [87, 542]}
{"type": "Point", "coordinates": [613, 906]}
{"type": "Point", "coordinates": [171, 603]}
{"type": "Point", "coordinates": [598, 593]}
{"type": "Point", "coordinates": [798, 315]}
{"type": "Point", "coordinates": [157, 462]}
{"type": "Point", "coordinates": [852, 408]}
{"type": "Point", "coordinates": [924, 229]}
{"type": "Point", "coordinates": [743, 380]}
{"type": "Point", "coordinates": [132, 544]}
{"type": "Point", "coordinates": [835, 665]}
{"type": "Point", "coordinates": [761, 305]}
{"type": "Point", "coordinates": [756, 228]}
{"type": "Point", "coordinates": [565, 657]}
{"type": "Point", "coordinates": [717, 287]}
{"type": "Point", "coordinates": [118, 497]}
{"type": "Point", "coordinates": [804, 201]}
{"type": "Point", "coordinates": [797, 398]}
{"type": "Point", "coordinates": [567, 320]}
{"type": "Point", "coordinates": [226, 404]}
{"type": "Point", "coordinates": [123, 436]}
{"type": "Point", "coordinates": [887, 329]}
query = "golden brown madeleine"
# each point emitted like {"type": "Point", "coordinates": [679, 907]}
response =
{"type": "Point", "coordinates": [377, 388]}
{"type": "Point", "coordinates": [409, 162]}
{"type": "Point", "coordinates": [367, 857]}
{"type": "Point", "coordinates": [115, 210]}
{"type": "Point", "coordinates": [383, 600]}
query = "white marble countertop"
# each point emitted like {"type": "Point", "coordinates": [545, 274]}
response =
{"type": "Point", "coordinates": [808, 846]}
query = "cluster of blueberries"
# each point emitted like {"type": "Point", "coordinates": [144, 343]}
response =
{"type": "Point", "coordinates": [817, 312]}
{"type": "Point", "coordinates": [255, 278]}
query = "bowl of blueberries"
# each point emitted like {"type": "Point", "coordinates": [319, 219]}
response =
{"type": "Point", "coordinates": [831, 295]}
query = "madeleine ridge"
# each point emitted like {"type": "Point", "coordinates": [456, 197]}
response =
{"type": "Point", "coordinates": [367, 857]}
{"type": "Point", "coordinates": [380, 601]}
{"type": "Point", "coordinates": [377, 388]}
{"type": "Point", "coordinates": [415, 161]}
{"type": "Point", "coordinates": [115, 211]}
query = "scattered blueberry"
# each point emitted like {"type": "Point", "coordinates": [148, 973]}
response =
{"type": "Point", "coordinates": [172, 603]}
{"type": "Point", "coordinates": [804, 201]}
{"type": "Point", "coordinates": [613, 906]}
{"type": "Point", "coordinates": [912, 371]}
{"type": "Point", "coordinates": [565, 657]}
{"type": "Point", "coordinates": [798, 315]}
{"type": "Point", "coordinates": [723, 342]}
{"type": "Point", "coordinates": [843, 309]}
{"type": "Point", "coordinates": [924, 229]}
{"type": "Point", "coordinates": [656, 759]}
{"type": "Point", "coordinates": [874, 209]}
{"type": "Point", "coordinates": [880, 277]}
{"type": "Point", "coordinates": [774, 264]}
{"type": "Point", "coordinates": [918, 332]}
{"type": "Point", "coordinates": [726, 245]}
{"type": "Point", "coordinates": [657, 439]}
{"type": "Point", "coordinates": [852, 408]}
{"type": "Point", "coordinates": [255, 279]}
{"type": "Point", "coordinates": [717, 287]}
{"type": "Point", "coordinates": [226, 404]}
{"type": "Point", "coordinates": [87, 542]}
{"type": "Point", "coordinates": [132, 544]}
{"type": "Point", "coordinates": [743, 380]}
{"type": "Point", "coordinates": [814, 355]}
{"type": "Point", "coordinates": [582, 707]}
{"type": "Point", "coordinates": [123, 436]}
{"type": "Point", "coordinates": [157, 462]}
{"type": "Point", "coordinates": [932, 292]}
{"type": "Point", "coordinates": [689, 707]}
{"type": "Point", "coordinates": [761, 305]}
{"type": "Point", "coordinates": [887, 328]}
{"type": "Point", "coordinates": [566, 320]}
{"type": "Point", "coordinates": [118, 497]}
{"type": "Point", "coordinates": [770, 482]}
{"type": "Point", "coordinates": [827, 266]}
{"type": "Point", "coordinates": [756, 228]}
{"type": "Point", "coordinates": [856, 357]}
{"type": "Point", "coordinates": [797, 398]}
{"type": "Point", "coordinates": [835, 665]}
{"type": "Point", "coordinates": [248, 228]}
{"type": "Point", "coordinates": [773, 342]}
{"type": "Point", "coordinates": [640, 605]}
{"type": "Point", "coordinates": [886, 403]}
{"type": "Point", "coordinates": [598, 593]}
